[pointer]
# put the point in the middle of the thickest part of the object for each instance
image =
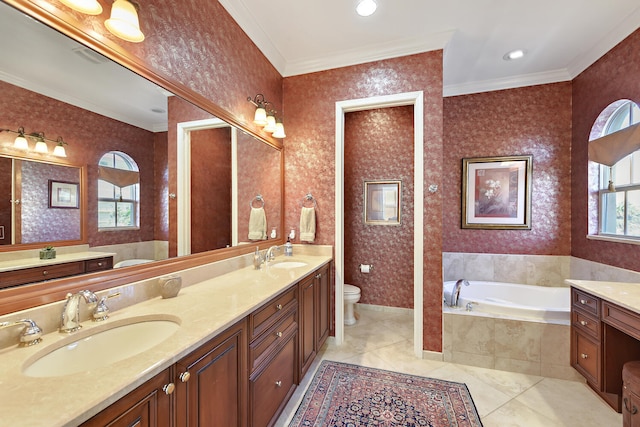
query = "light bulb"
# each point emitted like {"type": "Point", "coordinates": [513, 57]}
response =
{"type": "Point", "coordinates": [271, 124]}
{"type": "Point", "coordinates": [41, 147]}
{"type": "Point", "coordinates": [123, 22]}
{"type": "Point", "coordinates": [21, 143]}
{"type": "Point", "coordinates": [59, 151]}
{"type": "Point", "coordinates": [90, 7]}
{"type": "Point", "coordinates": [260, 117]}
{"type": "Point", "coordinates": [279, 132]}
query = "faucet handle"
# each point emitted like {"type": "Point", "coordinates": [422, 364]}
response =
{"type": "Point", "coordinates": [30, 335]}
{"type": "Point", "coordinates": [102, 311]}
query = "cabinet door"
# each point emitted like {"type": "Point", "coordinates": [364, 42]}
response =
{"type": "Point", "coordinates": [630, 404]}
{"type": "Point", "coordinates": [147, 406]}
{"type": "Point", "coordinates": [323, 305]}
{"type": "Point", "coordinates": [307, 323]}
{"type": "Point", "coordinates": [211, 382]}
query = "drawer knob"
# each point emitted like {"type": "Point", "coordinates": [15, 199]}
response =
{"type": "Point", "coordinates": [279, 307]}
{"type": "Point", "coordinates": [45, 272]}
{"type": "Point", "coordinates": [278, 383]}
{"type": "Point", "coordinates": [169, 388]}
{"type": "Point", "coordinates": [279, 334]}
{"type": "Point", "coordinates": [100, 264]}
{"type": "Point", "coordinates": [583, 301]}
{"type": "Point", "coordinates": [584, 322]}
{"type": "Point", "coordinates": [584, 355]}
{"type": "Point", "coordinates": [318, 276]}
{"type": "Point", "coordinates": [184, 377]}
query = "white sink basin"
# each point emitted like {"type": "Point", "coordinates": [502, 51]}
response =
{"type": "Point", "coordinates": [289, 264]}
{"type": "Point", "coordinates": [101, 347]}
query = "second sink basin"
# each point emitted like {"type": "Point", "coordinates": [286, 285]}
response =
{"type": "Point", "coordinates": [289, 264]}
{"type": "Point", "coordinates": [95, 349]}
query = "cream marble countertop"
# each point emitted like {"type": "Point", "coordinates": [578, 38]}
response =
{"type": "Point", "coordinates": [205, 309]}
{"type": "Point", "coordinates": [625, 295]}
{"type": "Point", "coordinates": [19, 264]}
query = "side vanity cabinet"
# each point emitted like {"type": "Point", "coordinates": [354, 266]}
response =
{"type": "Point", "coordinates": [604, 336]}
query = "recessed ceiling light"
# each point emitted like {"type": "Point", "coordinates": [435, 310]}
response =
{"type": "Point", "coordinates": [366, 7]}
{"type": "Point", "coordinates": [158, 110]}
{"type": "Point", "coordinates": [514, 54]}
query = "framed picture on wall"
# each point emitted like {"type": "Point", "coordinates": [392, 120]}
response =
{"type": "Point", "coordinates": [382, 202]}
{"type": "Point", "coordinates": [63, 194]}
{"type": "Point", "coordinates": [496, 192]}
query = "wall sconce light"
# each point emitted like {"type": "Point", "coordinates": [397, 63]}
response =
{"type": "Point", "coordinates": [124, 22]}
{"type": "Point", "coordinates": [266, 117]}
{"type": "Point", "coordinates": [21, 142]}
{"type": "Point", "coordinates": [59, 149]}
{"type": "Point", "coordinates": [90, 7]}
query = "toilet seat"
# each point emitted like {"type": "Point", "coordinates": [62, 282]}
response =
{"type": "Point", "coordinates": [351, 290]}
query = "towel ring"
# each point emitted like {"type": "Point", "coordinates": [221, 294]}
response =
{"type": "Point", "coordinates": [258, 198]}
{"type": "Point", "coordinates": [308, 198]}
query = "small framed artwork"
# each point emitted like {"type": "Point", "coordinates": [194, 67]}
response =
{"type": "Point", "coordinates": [63, 194]}
{"type": "Point", "coordinates": [382, 202]}
{"type": "Point", "coordinates": [496, 192]}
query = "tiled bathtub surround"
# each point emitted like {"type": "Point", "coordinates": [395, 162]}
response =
{"type": "Point", "coordinates": [540, 270]}
{"type": "Point", "coordinates": [508, 345]}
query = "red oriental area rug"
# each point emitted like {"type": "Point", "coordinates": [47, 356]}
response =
{"type": "Point", "coordinates": [344, 395]}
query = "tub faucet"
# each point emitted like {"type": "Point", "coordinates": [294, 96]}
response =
{"type": "Point", "coordinates": [453, 301]}
{"type": "Point", "coordinates": [70, 320]}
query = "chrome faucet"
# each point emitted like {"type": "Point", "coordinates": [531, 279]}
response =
{"type": "Point", "coordinates": [270, 256]}
{"type": "Point", "coordinates": [30, 335]}
{"type": "Point", "coordinates": [453, 300]}
{"type": "Point", "coordinates": [70, 321]}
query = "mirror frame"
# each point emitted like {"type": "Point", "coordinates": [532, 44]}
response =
{"type": "Point", "coordinates": [83, 207]}
{"type": "Point", "coordinates": [32, 295]}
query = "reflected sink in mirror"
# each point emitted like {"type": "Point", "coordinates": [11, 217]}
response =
{"type": "Point", "coordinates": [285, 265]}
{"type": "Point", "coordinates": [102, 347]}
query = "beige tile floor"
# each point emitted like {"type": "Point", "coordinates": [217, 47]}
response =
{"type": "Point", "coordinates": [385, 340]}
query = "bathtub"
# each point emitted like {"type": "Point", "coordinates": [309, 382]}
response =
{"type": "Point", "coordinates": [516, 301]}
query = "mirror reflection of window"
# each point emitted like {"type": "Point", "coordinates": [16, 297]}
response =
{"type": "Point", "coordinates": [118, 191]}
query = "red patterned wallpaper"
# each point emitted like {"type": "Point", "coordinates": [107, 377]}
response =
{"type": "Point", "coordinates": [533, 120]}
{"type": "Point", "coordinates": [161, 179]}
{"type": "Point", "coordinates": [89, 136]}
{"type": "Point", "coordinates": [379, 146]}
{"type": "Point", "coordinates": [310, 152]}
{"type": "Point", "coordinates": [612, 77]}
{"type": "Point", "coordinates": [210, 192]}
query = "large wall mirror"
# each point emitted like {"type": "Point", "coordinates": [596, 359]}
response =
{"type": "Point", "coordinates": [55, 85]}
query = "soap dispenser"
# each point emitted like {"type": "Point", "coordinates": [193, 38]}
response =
{"type": "Point", "coordinates": [288, 248]}
{"type": "Point", "coordinates": [257, 259]}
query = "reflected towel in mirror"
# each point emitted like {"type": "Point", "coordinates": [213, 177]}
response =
{"type": "Point", "coordinates": [308, 225]}
{"type": "Point", "coordinates": [257, 224]}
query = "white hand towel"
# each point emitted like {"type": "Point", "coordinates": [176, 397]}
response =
{"type": "Point", "coordinates": [308, 224]}
{"type": "Point", "coordinates": [257, 224]}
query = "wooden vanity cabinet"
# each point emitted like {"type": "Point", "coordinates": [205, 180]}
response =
{"type": "Point", "coordinates": [315, 315]}
{"type": "Point", "coordinates": [604, 336]}
{"type": "Point", "coordinates": [149, 405]}
{"type": "Point", "coordinates": [273, 357]}
{"type": "Point", "coordinates": [53, 271]}
{"type": "Point", "coordinates": [210, 382]}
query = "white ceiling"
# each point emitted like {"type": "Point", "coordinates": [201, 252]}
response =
{"type": "Point", "coordinates": [562, 37]}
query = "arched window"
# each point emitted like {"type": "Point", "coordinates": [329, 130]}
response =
{"type": "Point", "coordinates": [619, 185]}
{"type": "Point", "coordinates": [118, 191]}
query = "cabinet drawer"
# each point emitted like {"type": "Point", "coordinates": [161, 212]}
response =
{"type": "Point", "coordinates": [273, 386]}
{"type": "Point", "coordinates": [585, 301]}
{"type": "Point", "coordinates": [267, 343]}
{"type": "Point", "coordinates": [585, 357]}
{"type": "Point", "coordinates": [586, 323]}
{"type": "Point", "coordinates": [622, 319]}
{"type": "Point", "coordinates": [99, 264]}
{"type": "Point", "coordinates": [268, 314]}
{"type": "Point", "coordinates": [37, 274]}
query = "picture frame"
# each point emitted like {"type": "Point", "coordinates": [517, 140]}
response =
{"type": "Point", "coordinates": [496, 192]}
{"type": "Point", "coordinates": [64, 194]}
{"type": "Point", "coordinates": [382, 202]}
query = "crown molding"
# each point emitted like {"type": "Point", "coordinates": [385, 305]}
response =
{"type": "Point", "coordinates": [374, 52]}
{"type": "Point", "coordinates": [507, 83]}
{"type": "Point", "coordinates": [613, 38]}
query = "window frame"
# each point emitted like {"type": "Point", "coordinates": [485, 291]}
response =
{"type": "Point", "coordinates": [135, 192]}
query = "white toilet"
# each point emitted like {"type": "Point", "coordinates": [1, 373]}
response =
{"type": "Point", "coordinates": [351, 296]}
